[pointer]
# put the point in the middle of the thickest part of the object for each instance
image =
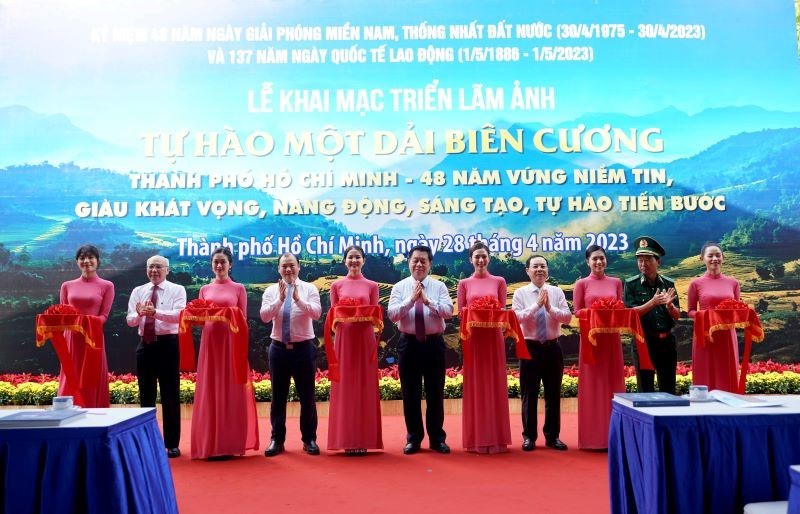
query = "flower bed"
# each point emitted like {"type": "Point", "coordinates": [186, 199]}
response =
{"type": "Point", "coordinates": [26, 389]}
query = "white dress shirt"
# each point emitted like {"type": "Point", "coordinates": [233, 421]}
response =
{"type": "Point", "coordinates": [401, 306]}
{"type": "Point", "coordinates": [171, 301]}
{"type": "Point", "coordinates": [524, 304]}
{"type": "Point", "coordinates": [304, 311]}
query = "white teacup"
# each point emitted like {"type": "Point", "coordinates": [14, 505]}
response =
{"type": "Point", "coordinates": [62, 402]}
{"type": "Point", "coordinates": [698, 392]}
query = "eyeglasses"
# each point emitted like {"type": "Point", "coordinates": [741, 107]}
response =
{"type": "Point", "coordinates": [155, 266]}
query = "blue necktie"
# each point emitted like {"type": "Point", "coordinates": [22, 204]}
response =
{"type": "Point", "coordinates": [541, 323]}
{"type": "Point", "coordinates": [286, 323]}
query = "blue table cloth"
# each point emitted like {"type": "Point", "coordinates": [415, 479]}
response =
{"type": "Point", "coordinates": [704, 458]}
{"type": "Point", "coordinates": [794, 491]}
{"type": "Point", "coordinates": [111, 461]}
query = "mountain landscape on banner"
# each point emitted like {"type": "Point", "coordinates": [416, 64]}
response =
{"type": "Point", "coordinates": [30, 137]}
{"type": "Point", "coordinates": [754, 171]}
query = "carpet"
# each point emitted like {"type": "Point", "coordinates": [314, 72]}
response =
{"type": "Point", "coordinates": [387, 482]}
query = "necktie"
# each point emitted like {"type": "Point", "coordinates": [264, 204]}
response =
{"type": "Point", "coordinates": [419, 320]}
{"type": "Point", "coordinates": [286, 321]}
{"type": "Point", "coordinates": [149, 332]}
{"type": "Point", "coordinates": [541, 323]}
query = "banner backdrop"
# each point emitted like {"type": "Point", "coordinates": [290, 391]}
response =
{"type": "Point", "coordinates": [306, 126]}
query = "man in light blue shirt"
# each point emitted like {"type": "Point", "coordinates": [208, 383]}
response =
{"type": "Point", "coordinates": [541, 309]}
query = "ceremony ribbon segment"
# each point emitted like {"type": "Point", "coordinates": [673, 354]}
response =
{"type": "Point", "coordinates": [611, 321]}
{"type": "Point", "coordinates": [237, 323]}
{"type": "Point", "coordinates": [506, 320]}
{"type": "Point", "coordinates": [349, 314]}
{"type": "Point", "coordinates": [710, 322]}
{"type": "Point", "coordinates": [53, 326]}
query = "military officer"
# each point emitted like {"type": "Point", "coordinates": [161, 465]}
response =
{"type": "Point", "coordinates": [653, 297]}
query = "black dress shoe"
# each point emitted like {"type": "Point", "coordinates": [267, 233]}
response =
{"type": "Point", "coordinates": [173, 453]}
{"type": "Point", "coordinates": [311, 448]}
{"type": "Point", "coordinates": [273, 449]}
{"type": "Point", "coordinates": [556, 444]}
{"type": "Point", "coordinates": [410, 448]}
{"type": "Point", "coordinates": [527, 444]}
{"type": "Point", "coordinates": [440, 447]}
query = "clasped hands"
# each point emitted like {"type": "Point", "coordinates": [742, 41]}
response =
{"type": "Point", "coordinates": [419, 294]}
{"type": "Point", "coordinates": [282, 285]}
{"type": "Point", "coordinates": [146, 308]}
{"type": "Point", "coordinates": [544, 300]}
{"type": "Point", "coordinates": [664, 297]}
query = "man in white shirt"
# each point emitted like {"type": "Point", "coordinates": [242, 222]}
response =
{"type": "Point", "coordinates": [155, 308]}
{"type": "Point", "coordinates": [292, 306]}
{"type": "Point", "coordinates": [419, 305]}
{"type": "Point", "coordinates": [541, 309]}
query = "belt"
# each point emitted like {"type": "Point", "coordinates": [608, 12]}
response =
{"type": "Point", "coordinates": [659, 335]}
{"type": "Point", "coordinates": [160, 337]}
{"type": "Point", "coordinates": [546, 342]}
{"type": "Point", "coordinates": [290, 346]}
{"type": "Point", "coordinates": [427, 336]}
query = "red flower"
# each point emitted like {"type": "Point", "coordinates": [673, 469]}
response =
{"type": "Point", "coordinates": [485, 303]}
{"type": "Point", "coordinates": [62, 309]}
{"type": "Point", "coordinates": [607, 304]}
{"type": "Point", "coordinates": [731, 304]}
{"type": "Point", "coordinates": [201, 304]}
{"type": "Point", "coordinates": [125, 378]}
{"type": "Point", "coordinates": [349, 301]}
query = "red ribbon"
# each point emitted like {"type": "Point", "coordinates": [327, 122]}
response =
{"type": "Point", "coordinates": [506, 320]}
{"type": "Point", "coordinates": [349, 314]}
{"type": "Point", "coordinates": [710, 321]}
{"type": "Point", "coordinates": [53, 326]}
{"type": "Point", "coordinates": [611, 321]}
{"type": "Point", "coordinates": [237, 324]}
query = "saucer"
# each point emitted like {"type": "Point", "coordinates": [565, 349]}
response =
{"type": "Point", "coordinates": [708, 399]}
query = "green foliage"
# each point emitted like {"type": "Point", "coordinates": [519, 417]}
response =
{"type": "Point", "coordinates": [569, 387]}
{"type": "Point", "coordinates": [513, 386]}
{"type": "Point", "coordinates": [682, 384]}
{"type": "Point", "coordinates": [6, 393]}
{"type": "Point", "coordinates": [186, 391]}
{"type": "Point", "coordinates": [122, 393]}
{"type": "Point", "coordinates": [787, 382]}
{"type": "Point", "coordinates": [33, 393]}
{"type": "Point", "coordinates": [453, 386]}
{"type": "Point", "coordinates": [263, 390]}
{"type": "Point", "coordinates": [761, 231]}
{"type": "Point", "coordinates": [322, 390]}
{"type": "Point", "coordinates": [390, 389]}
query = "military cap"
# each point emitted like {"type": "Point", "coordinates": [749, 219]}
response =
{"type": "Point", "coordinates": [648, 246]}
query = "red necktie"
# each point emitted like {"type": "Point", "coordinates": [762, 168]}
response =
{"type": "Point", "coordinates": [419, 320]}
{"type": "Point", "coordinates": [149, 332]}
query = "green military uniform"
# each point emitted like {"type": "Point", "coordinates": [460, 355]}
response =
{"type": "Point", "coordinates": [657, 323]}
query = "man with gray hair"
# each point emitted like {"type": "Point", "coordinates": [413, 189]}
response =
{"type": "Point", "coordinates": [155, 308]}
